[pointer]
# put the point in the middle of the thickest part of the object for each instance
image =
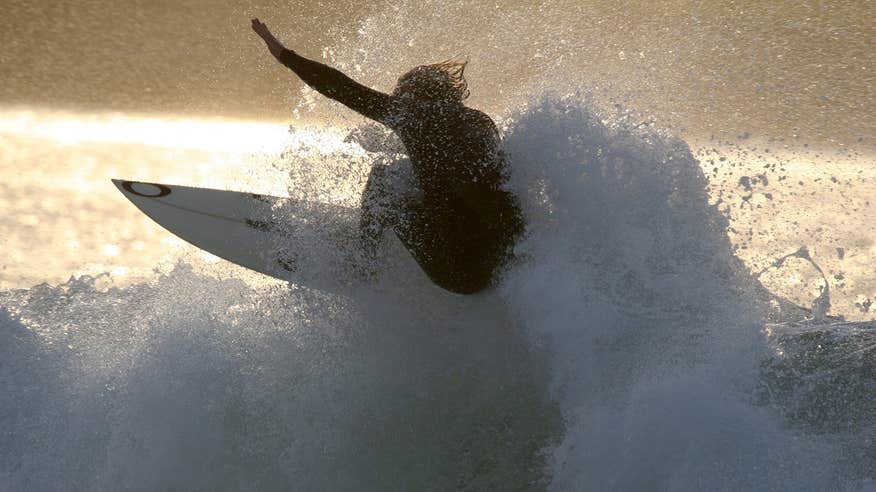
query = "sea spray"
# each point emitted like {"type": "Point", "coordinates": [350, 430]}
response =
{"type": "Point", "coordinates": [654, 325]}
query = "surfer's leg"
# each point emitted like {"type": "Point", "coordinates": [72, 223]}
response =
{"type": "Point", "coordinates": [380, 209]}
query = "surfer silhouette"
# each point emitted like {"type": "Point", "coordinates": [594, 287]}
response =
{"type": "Point", "coordinates": [461, 225]}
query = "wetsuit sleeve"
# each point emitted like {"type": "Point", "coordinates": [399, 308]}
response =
{"type": "Point", "coordinates": [334, 84]}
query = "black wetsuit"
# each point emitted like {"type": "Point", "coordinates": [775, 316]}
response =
{"type": "Point", "coordinates": [464, 225]}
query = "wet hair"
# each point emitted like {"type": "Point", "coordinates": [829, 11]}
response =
{"type": "Point", "coordinates": [442, 81]}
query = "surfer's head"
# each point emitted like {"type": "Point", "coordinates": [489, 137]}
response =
{"type": "Point", "coordinates": [442, 81]}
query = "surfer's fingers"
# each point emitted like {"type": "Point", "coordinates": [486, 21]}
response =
{"type": "Point", "coordinates": [259, 26]}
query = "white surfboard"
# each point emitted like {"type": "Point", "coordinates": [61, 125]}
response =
{"type": "Point", "coordinates": [313, 245]}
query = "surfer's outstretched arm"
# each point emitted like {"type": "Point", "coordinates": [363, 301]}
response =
{"type": "Point", "coordinates": [327, 80]}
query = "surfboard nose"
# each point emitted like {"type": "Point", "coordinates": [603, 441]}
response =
{"type": "Point", "coordinates": [146, 190]}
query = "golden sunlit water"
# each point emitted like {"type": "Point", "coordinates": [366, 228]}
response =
{"type": "Point", "coordinates": [62, 215]}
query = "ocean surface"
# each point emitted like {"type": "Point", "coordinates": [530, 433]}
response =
{"type": "Point", "coordinates": [690, 309]}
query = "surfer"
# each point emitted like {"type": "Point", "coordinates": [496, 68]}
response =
{"type": "Point", "coordinates": [462, 225]}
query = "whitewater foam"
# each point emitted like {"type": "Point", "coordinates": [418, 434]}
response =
{"type": "Point", "coordinates": [654, 325]}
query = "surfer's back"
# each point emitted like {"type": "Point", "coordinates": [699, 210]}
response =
{"type": "Point", "coordinates": [473, 221]}
{"type": "Point", "coordinates": [450, 146]}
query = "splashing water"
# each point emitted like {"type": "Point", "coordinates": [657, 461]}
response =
{"type": "Point", "coordinates": [653, 324]}
{"type": "Point", "coordinates": [629, 347]}
{"type": "Point", "coordinates": [624, 350]}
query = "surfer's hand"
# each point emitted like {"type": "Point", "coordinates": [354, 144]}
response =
{"type": "Point", "coordinates": [261, 29]}
{"type": "Point", "coordinates": [276, 48]}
